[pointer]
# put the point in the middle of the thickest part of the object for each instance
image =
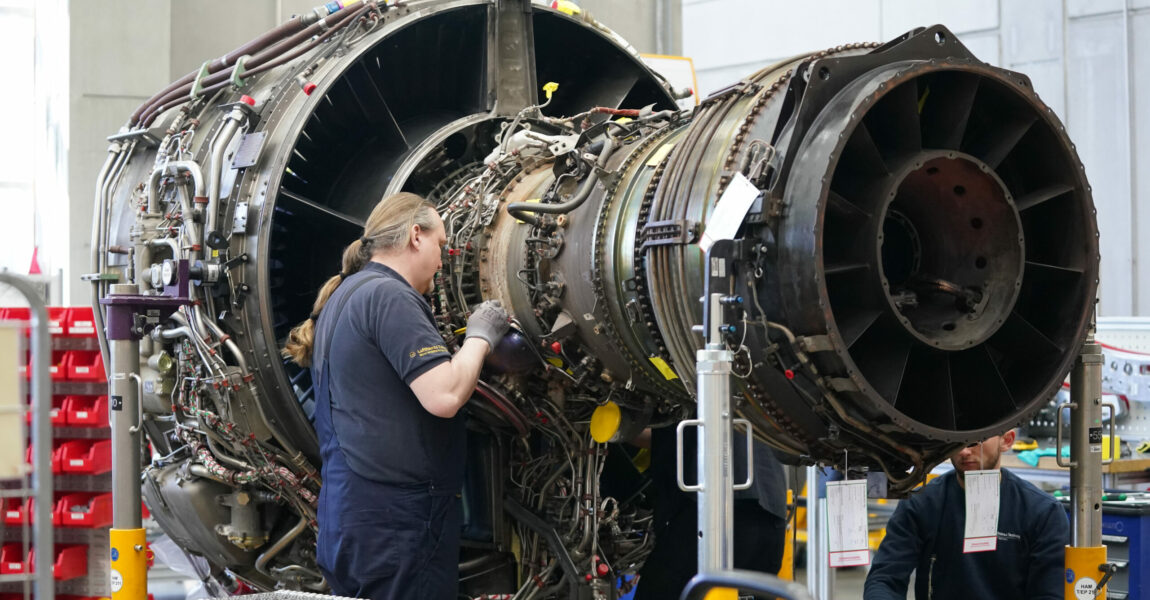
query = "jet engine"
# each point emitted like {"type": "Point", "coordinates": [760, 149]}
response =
{"type": "Point", "coordinates": [914, 265]}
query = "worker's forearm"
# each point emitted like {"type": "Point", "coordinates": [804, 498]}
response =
{"type": "Point", "coordinates": [465, 367]}
{"type": "Point", "coordinates": [447, 387]}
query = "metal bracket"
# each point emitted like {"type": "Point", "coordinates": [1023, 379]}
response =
{"type": "Point", "coordinates": [678, 232]}
{"type": "Point", "coordinates": [197, 85]}
{"type": "Point", "coordinates": [109, 277]}
{"type": "Point", "coordinates": [238, 71]}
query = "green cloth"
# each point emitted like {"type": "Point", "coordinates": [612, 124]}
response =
{"type": "Point", "coordinates": [1031, 457]}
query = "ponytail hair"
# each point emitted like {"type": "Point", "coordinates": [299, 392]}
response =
{"type": "Point", "coordinates": [387, 229]}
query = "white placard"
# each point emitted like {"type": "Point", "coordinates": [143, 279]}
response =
{"type": "Point", "coordinates": [847, 520]}
{"type": "Point", "coordinates": [730, 210]}
{"type": "Point", "coordinates": [981, 532]}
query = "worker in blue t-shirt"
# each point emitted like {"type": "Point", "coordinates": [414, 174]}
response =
{"type": "Point", "coordinates": [925, 535]}
{"type": "Point", "coordinates": [388, 395]}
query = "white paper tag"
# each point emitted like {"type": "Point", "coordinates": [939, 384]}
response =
{"type": "Point", "coordinates": [981, 532]}
{"type": "Point", "coordinates": [847, 520]}
{"type": "Point", "coordinates": [724, 221]}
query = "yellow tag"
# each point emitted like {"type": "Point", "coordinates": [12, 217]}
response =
{"type": "Point", "coordinates": [663, 367]}
{"type": "Point", "coordinates": [215, 253]}
{"type": "Point", "coordinates": [549, 88]}
{"type": "Point", "coordinates": [566, 6]}
{"type": "Point", "coordinates": [622, 120]}
{"type": "Point", "coordinates": [659, 155]}
{"type": "Point", "coordinates": [556, 361]}
{"type": "Point", "coordinates": [519, 221]}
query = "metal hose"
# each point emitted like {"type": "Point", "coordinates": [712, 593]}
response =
{"type": "Point", "coordinates": [520, 210]}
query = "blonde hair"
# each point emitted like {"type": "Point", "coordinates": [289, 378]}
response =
{"type": "Point", "coordinates": [388, 228]}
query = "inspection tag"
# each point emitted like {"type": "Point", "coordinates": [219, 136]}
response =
{"type": "Point", "coordinates": [981, 533]}
{"type": "Point", "coordinates": [847, 520]}
{"type": "Point", "coordinates": [724, 221]}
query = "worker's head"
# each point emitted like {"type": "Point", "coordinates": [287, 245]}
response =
{"type": "Point", "coordinates": [402, 231]}
{"type": "Point", "coordinates": [982, 455]}
{"type": "Point", "coordinates": [405, 232]}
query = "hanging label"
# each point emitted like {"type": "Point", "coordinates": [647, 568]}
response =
{"type": "Point", "coordinates": [981, 533]}
{"type": "Point", "coordinates": [724, 221]}
{"type": "Point", "coordinates": [847, 520]}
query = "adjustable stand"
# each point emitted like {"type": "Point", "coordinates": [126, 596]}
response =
{"type": "Point", "coordinates": [1087, 570]}
{"type": "Point", "coordinates": [129, 316]}
{"type": "Point", "coordinates": [713, 467]}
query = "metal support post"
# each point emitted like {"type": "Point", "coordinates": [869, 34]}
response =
{"type": "Point", "coordinates": [715, 486]}
{"type": "Point", "coordinates": [820, 577]}
{"type": "Point", "coordinates": [130, 315]}
{"type": "Point", "coordinates": [42, 490]}
{"type": "Point", "coordinates": [716, 498]}
{"type": "Point", "coordinates": [129, 574]}
{"type": "Point", "coordinates": [1086, 566]}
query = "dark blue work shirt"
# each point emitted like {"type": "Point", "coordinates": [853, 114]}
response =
{"type": "Point", "coordinates": [925, 535]}
{"type": "Point", "coordinates": [367, 417]}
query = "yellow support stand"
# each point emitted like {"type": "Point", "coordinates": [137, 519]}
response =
{"type": "Point", "coordinates": [1082, 572]}
{"type": "Point", "coordinates": [721, 593]}
{"type": "Point", "coordinates": [129, 573]}
{"type": "Point", "coordinates": [787, 570]}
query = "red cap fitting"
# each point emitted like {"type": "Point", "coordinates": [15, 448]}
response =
{"type": "Point", "coordinates": [246, 99]}
{"type": "Point", "coordinates": [789, 374]}
{"type": "Point", "coordinates": [588, 577]}
{"type": "Point", "coordinates": [556, 347]}
{"type": "Point", "coordinates": [308, 88]}
{"type": "Point", "coordinates": [602, 569]}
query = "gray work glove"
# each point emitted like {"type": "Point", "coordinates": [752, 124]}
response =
{"type": "Point", "coordinates": [488, 322]}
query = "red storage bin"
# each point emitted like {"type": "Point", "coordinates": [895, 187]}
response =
{"type": "Point", "coordinates": [11, 559]}
{"type": "Point", "coordinates": [83, 510]}
{"type": "Point", "coordinates": [88, 457]}
{"type": "Point", "coordinates": [59, 411]}
{"type": "Point", "coordinates": [16, 510]}
{"type": "Point", "coordinates": [86, 411]}
{"type": "Point", "coordinates": [55, 456]}
{"type": "Point", "coordinates": [56, 368]}
{"type": "Point", "coordinates": [57, 319]}
{"type": "Point", "coordinates": [22, 315]}
{"type": "Point", "coordinates": [79, 322]}
{"type": "Point", "coordinates": [84, 365]}
{"type": "Point", "coordinates": [69, 562]}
